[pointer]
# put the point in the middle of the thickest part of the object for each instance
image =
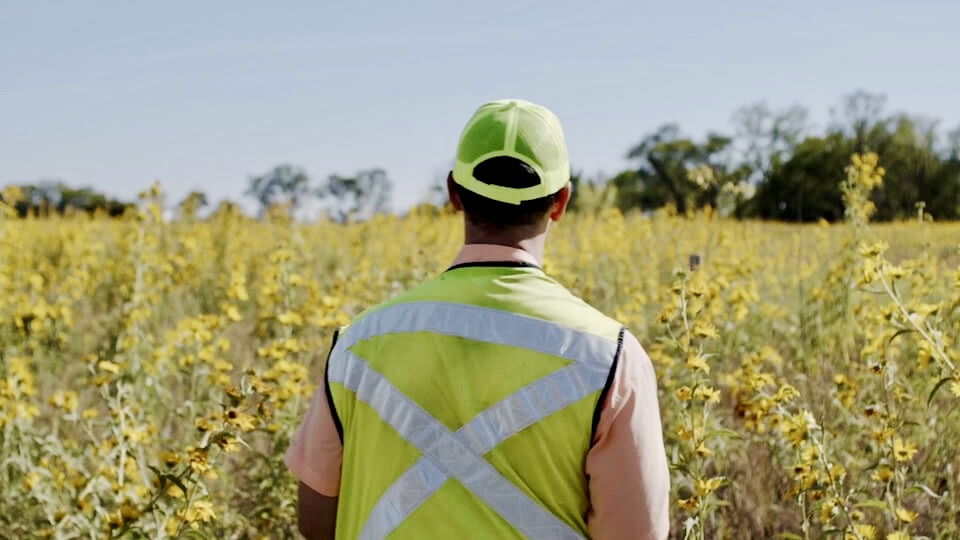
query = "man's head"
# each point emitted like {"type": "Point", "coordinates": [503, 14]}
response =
{"type": "Point", "coordinates": [512, 173]}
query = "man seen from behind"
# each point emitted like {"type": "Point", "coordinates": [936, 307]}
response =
{"type": "Point", "coordinates": [488, 402]}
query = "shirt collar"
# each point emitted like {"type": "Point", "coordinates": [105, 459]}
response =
{"type": "Point", "coordinates": [483, 253]}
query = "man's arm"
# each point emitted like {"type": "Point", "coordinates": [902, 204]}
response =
{"type": "Point", "coordinates": [315, 457]}
{"type": "Point", "coordinates": [629, 480]}
{"type": "Point", "coordinates": [317, 514]}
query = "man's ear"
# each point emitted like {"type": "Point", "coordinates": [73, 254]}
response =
{"type": "Point", "coordinates": [560, 205]}
{"type": "Point", "coordinates": [452, 193]}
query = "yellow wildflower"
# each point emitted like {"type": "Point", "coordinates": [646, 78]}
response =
{"type": "Point", "coordinates": [903, 451]}
{"type": "Point", "coordinates": [690, 505]}
{"type": "Point", "coordinates": [198, 460]}
{"type": "Point", "coordinates": [810, 453]}
{"type": "Point", "coordinates": [866, 531]}
{"type": "Point", "coordinates": [706, 487]}
{"type": "Point", "coordinates": [30, 480]}
{"type": "Point", "coordinates": [708, 394]}
{"type": "Point", "coordinates": [696, 362]}
{"type": "Point", "coordinates": [290, 318]}
{"type": "Point", "coordinates": [232, 313]}
{"type": "Point", "coordinates": [705, 330]}
{"type": "Point", "coordinates": [240, 419]}
{"type": "Point", "coordinates": [785, 393]}
{"type": "Point", "coordinates": [169, 458]}
{"type": "Point", "coordinates": [906, 516]}
{"type": "Point", "coordinates": [203, 425]}
{"type": "Point", "coordinates": [66, 400]}
{"type": "Point", "coordinates": [796, 427]}
{"type": "Point", "coordinates": [174, 491]}
{"type": "Point", "coordinates": [828, 511]}
{"type": "Point", "coordinates": [228, 444]}
{"type": "Point", "coordinates": [109, 366]}
{"type": "Point", "coordinates": [199, 511]}
{"type": "Point", "coordinates": [172, 526]}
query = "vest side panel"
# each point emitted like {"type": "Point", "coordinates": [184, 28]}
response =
{"type": "Point", "coordinates": [374, 456]}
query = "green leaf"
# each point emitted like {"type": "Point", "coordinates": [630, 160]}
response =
{"type": "Point", "coordinates": [179, 483]}
{"type": "Point", "coordinates": [933, 392]}
{"type": "Point", "coordinates": [195, 533]}
{"type": "Point", "coordinates": [925, 489]}
{"type": "Point", "coordinates": [873, 503]}
{"type": "Point", "coordinates": [899, 333]}
{"type": "Point", "coordinates": [789, 536]}
{"type": "Point", "coordinates": [160, 474]}
{"type": "Point", "coordinates": [728, 432]}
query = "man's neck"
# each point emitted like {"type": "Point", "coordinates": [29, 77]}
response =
{"type": "Point", "coordinates": [533, 246]}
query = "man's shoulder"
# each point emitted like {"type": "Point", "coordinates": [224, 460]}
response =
{"type": "Point", "coordinates": [585, 305]}
{"type": "Point", "coordinates": [411, 293]}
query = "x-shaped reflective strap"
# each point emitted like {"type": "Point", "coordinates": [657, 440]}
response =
{"type": "Point", "coordinates": [459, 455]}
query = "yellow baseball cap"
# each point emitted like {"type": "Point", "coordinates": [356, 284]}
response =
{"type": "Point", "coordinates": [519, 129]}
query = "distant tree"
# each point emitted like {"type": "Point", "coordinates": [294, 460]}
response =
{"type": "Point", "coordinates": [807, 186]}
{"type": "Point", "coordinates": [576, 181]}
{"type": "Point", "coordinates": [632, 193]}
{"type": "Point", "coordinates": [190, 206]}
{"type": "Point", "coordinates": [358, 197]}
{"type": "Point", "coordinates": [767, 137]}
{"type": "Point", "coordinates": [53, 197]}
{"type": "Point", "coordinates": [860, 116]}
{"type": "Point", "coordinates": [944, 187]}
{"type": "Point", "coordinates": [953, 143]}
{"type": "Point", "coordinates": [436, 194]}
{"type": "Point", "coordinates": [226, 210]}
{"type": "Point", "coordinates": [663, 176]}
{"type": "Point", "coordinates": [915, 171]}
{"type": "Point", "coordinates": [283, 185]}
{"type": "Point", "coordinates": [593, 196]}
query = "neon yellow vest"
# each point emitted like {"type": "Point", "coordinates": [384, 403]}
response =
{"type": "Point", "coordinates": [467, 407]}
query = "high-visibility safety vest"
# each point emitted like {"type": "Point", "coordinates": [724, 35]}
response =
{"type": "Point", "coordinates": [467, 406]}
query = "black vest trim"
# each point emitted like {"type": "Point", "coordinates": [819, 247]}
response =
{"type": "Point", "coordinates": [495, 264]}
{"type": "Point", "coordinates": [597, 411]}
{"type": "Point", "coordinates": [326, 386]}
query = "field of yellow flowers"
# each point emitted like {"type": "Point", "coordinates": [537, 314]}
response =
{"type": "Point", "coordinates": [152, 372]}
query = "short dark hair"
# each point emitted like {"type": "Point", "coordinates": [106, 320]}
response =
{"type": "Point", "coordinates": [490, 214]}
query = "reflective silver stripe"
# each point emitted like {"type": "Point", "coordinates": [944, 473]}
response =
{"type": "Point", "coordinates": [405, 495]}
{"type": "Point", "coordinates": [483, 324]}
{"type": "Point", "coordinates": [484, 432]}
{"type": "Point", "coordinates": [446, 452]}
{"type": "Point", "coordinates": [531, 404]}
{"type": "Point", "coordinates": [592, 355]}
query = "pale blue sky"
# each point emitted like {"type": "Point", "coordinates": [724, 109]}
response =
{"type": "Point", "coordinates": [204, 94]}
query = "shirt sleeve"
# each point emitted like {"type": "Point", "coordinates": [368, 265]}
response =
{"type": "Point", "coordinates": [629, 480]}
{"type": "Point", "coordinates": [315, 455]}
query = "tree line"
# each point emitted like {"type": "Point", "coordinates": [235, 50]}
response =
{"type": "Point", "coordinates": [771, 164]}
{"type": "Point", "coordinates": [775, 166]}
